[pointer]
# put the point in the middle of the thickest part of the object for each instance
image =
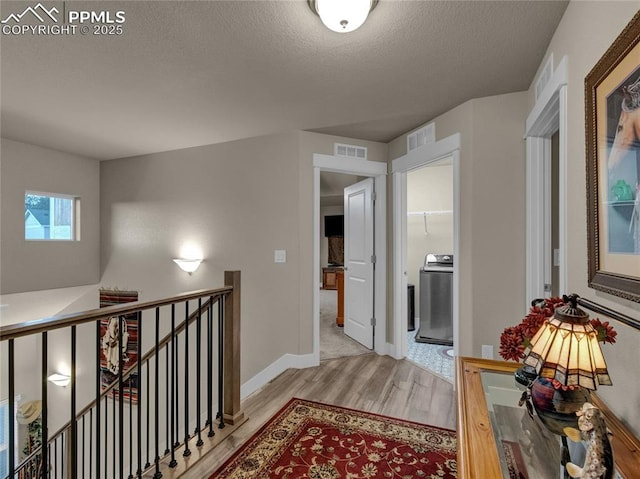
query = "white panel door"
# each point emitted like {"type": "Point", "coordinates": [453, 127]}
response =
{"type": "Point", "coordinates": [358, 261]}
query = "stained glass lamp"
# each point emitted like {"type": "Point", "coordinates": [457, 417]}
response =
{"type": "Point", "coordinates": [566, 356]}
{"type": "Point", "coordinates": [566, 349]}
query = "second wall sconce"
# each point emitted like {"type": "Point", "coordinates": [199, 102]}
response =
{"type": "Point", "coordinates": [61, 380]}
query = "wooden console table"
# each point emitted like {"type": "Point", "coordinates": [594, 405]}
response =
{"type": "Point", "coordinates": [478, 456]}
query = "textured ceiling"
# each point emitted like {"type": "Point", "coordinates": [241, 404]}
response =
{"type": "Point", "coordinates": [192, 73]}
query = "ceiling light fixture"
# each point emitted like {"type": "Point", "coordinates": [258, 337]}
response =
{"type": "Point", "coordinates": [342, 16]}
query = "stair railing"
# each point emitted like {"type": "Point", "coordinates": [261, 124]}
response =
{"type": "Point", "coordinates": [141, 420]}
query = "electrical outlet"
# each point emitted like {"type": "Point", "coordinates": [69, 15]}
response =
{"type": "Point", "coordinates": [280, 256]}
{"type": "Point", "coordinates": [487, 351]}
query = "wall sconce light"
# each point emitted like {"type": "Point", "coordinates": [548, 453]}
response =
{"type": "Point", "coordinates": [342, 16]}
{"type": "Point", "coordinates": [188, 265]}
{"type": "Point", "coordinates": [61, 380]}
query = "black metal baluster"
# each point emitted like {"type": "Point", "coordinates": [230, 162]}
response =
{"type": "Point", "coordinates": [146, 395]}
{"type": "Point", "coordinates": [173, 462]}
{"type": "Point", "coordinates": [157, 474]}
{"type": "Point", "coordinates": [177, 395]}
{"type": "Point", "coordinates": [166, 401]}
{"type": "Point", "coordinates": [106, 431]}
{"type": "Point", "coordinates": [121, 321]}
{"type": "Point", "coordinates": [113, 434]}
{"type": "Point", "coordinates": [83, 443]}
{"type": "Point", "coordinates": [73, 436]}
{"type": "Point", "coordinates": [62, 454]}
{"type": "Point", "coordinates": [220, 414]}
{"type": "Point", "coordinates": [131, 423]}
{"type": "Point", "coordinates": [98, 391]}
{"type": "Point", "coordinates": [211, 432]}
{"type": "Point", "coordinates": [198, 371]}
{"type": "Point", "coordinates": [55, 457]}
{"type": "Point", "coordinates": [12, 413]}
{"type": "Point", "coordinates": [90, 441]}
{"type": "Point", "coordinates": [187, 451]}
{"type": "Point", "coordinates": [45, 408]}
{"type": "Point", "coordinates": [45, 472]}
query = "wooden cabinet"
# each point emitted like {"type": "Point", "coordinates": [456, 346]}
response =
{"type": "Point", "coordinates": [478, 456]}
{"type": "Point", "coordinates": [329, 277]}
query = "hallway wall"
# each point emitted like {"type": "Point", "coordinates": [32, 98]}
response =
{"type": "Point", "coordinates": [491, 264]}
{"type": "Point", "coordinates": [584, 35]}
{"type": "Point", "coordinates": [40, 265]}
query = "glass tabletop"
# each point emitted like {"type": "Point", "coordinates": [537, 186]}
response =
{"type": "Point", "coordinates": [526, 448]}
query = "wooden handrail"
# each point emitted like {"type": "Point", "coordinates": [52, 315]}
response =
{"type": "Point", "coordinates": [13, 331]}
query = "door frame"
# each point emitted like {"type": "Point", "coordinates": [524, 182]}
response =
{"type": "Point", "coordinates": [377, 171]}
{"type": "Point", "coordinates": [548, 116]}
{"type": "Point", "coordinates": [448, 147]}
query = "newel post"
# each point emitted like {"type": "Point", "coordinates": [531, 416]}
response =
{"type": "Point", "coordinates": [232, 411]}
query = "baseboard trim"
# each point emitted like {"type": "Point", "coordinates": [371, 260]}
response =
{"type": "Point", "coordinates": [393, 350]}
{"type": "Point", "coordinates": [288, 361]}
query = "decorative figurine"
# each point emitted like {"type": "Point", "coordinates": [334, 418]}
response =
{"type": "Point", "coordinates": [598, 463]}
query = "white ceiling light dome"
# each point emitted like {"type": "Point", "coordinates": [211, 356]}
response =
{"type": "Point", "coordinates": [342, 16]}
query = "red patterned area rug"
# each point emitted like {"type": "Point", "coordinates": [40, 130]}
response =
{"type": "Point", "coordinates": [312, 440]}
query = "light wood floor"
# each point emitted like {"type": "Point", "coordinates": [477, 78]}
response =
{"type": "Point", "coordinates": [367, 382]}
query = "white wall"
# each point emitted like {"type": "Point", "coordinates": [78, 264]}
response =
{"type": "Point", "coordinates": [42, 279]}
{"type": "Point", "coordinates": [21, 307]}
{"type": "Point", "coordinates": [38, 265]}
{"type": "Point", "coordinates": [584, 34]}
{"type": "Point", "coordinates": [491, 262]}
{"type": "Point", "coordinates": [236, 203]}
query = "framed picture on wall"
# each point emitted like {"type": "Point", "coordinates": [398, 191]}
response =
{"type": "Point", "coordinates": [612, 107]}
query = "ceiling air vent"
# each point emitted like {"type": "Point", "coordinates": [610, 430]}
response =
{"type": "Point", "coordinates": [426, 134]}
{"type": "Point", "coordinates": [350, 151]}
{"type": "Point", "coordinates": [545, 76]}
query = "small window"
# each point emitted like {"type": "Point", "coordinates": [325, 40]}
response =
{"type": "Point", "coordinates": [50, 217]}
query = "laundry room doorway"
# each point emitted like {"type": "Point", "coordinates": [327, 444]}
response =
{"type": "Point", "coordinates": [430, 263]}
{"type": "Point", "coordinates": [426, 246]}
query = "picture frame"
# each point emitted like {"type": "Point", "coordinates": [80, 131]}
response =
{"type": "Point", "coordinates": [612, 105]}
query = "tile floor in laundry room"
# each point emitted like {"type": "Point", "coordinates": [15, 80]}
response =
{"type": "Point", "coordinates": [434, 357]}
